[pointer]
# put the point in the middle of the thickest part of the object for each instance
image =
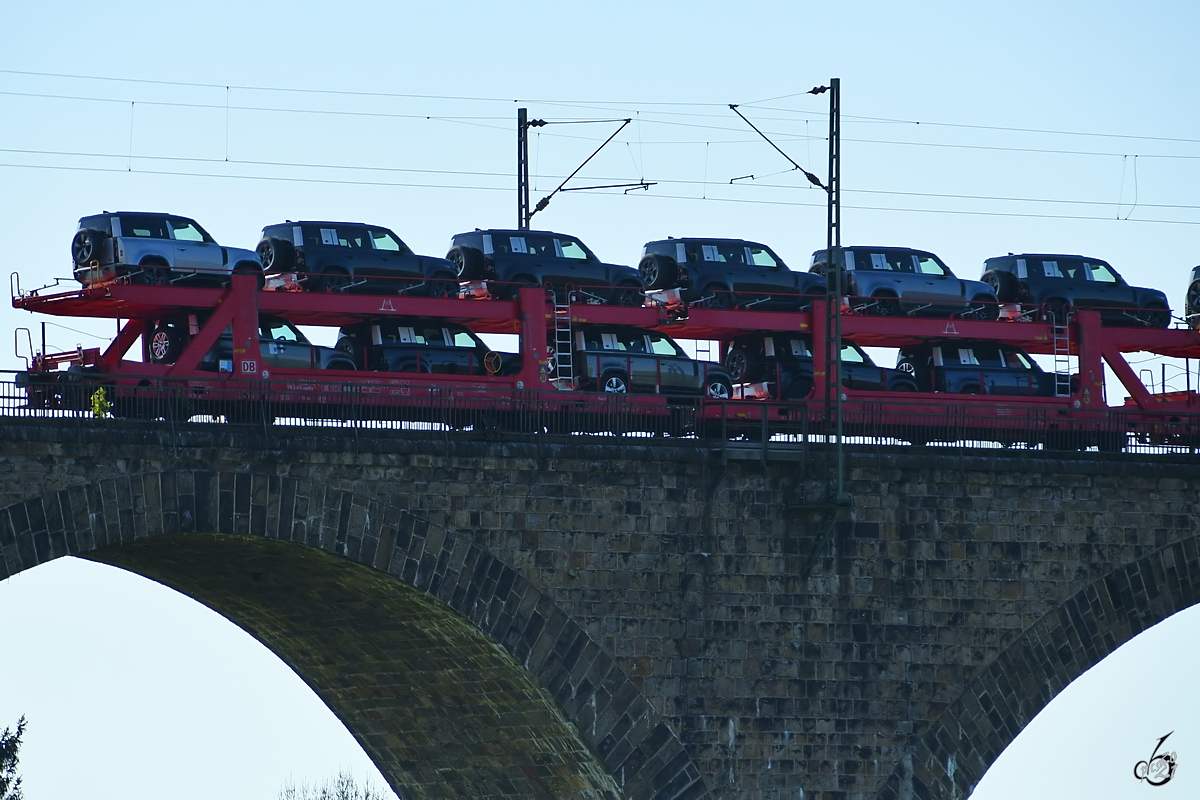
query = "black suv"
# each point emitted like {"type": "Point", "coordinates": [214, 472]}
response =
{"type": "Point", "coordinates": [280, 343]}
{"type": "Point", "coordinates": [621, 360]}
{"type": "Point", "coordinates": [498, 262]}
{"type": "Point", "coordinates": [423, 345]}
{"type": "Point", "coordinates": [889, 281]}
{"type": "Point", "coordinates": [1054, 283]}
{"type": "Point", "coordinates": [350, 256]}
{"type": "Point", "coordinates": [724, 273]}
{"type": "Point", "coordinates": [153, 248]}
{"type": "Point", "coordinates": [976, 367]}
{"type": "Point", "coordinates": [779, 366]}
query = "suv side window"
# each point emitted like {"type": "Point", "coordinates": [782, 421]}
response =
{"type": "Point", "coordinates": [988, 356]}
{"type": "Point", "coordinates": [1102, 272]}
{"type": "Point", "coordinates": [569, 248]}
{"type": "Point", "coordinates": [279, 331]}
{"type": "Point", "coordinates": [384, 240]}
{"type": "Point", "coordinates": [852, 355]}
{"type": "Point", "coordinates": [662, 346]}
{"type": "Point", "coordinates": [1017, 360]}
{"type": "Point", "coordinates": [339, 237]}
{"type": "Point", "coordinates": [536, 245]}
{"type": "Point", "coordinates": [144, 227]}
{"type": "Point", "coordinates": [761, 257]}
{"type": "Point", "coordinates": [185, 230]}
{"type": "Point", "coordinates": [928, 265]}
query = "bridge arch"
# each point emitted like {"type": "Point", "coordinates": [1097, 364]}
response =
{"type": "Point", "coordinates": [370, 603]}
{"type": "Point", "coordinates": [952, 755]}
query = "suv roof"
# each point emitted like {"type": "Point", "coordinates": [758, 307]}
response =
{"type": "Point", "coordinates": [1043, 255]}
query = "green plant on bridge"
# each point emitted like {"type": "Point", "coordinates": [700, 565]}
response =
{"type": "Point", "coordinates": [101, 408]}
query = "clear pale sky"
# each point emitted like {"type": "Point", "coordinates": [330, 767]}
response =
{"type": "Point", "coordinates": [971, 130]}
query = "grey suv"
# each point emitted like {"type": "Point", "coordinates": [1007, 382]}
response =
{"type": "Point", "coordinates": [619, 360]}
{"type": "Point", "coordinates": [351, 256]}
{"type": "Point", "coordinates": [889, 281]}
{"type": "Point", "coordinates": [498, 262]}
{"type": "Point", "coordinates": [152, 249]}
{"type": "Point", "coordinates": [724, 273]}
{"type": "Point", "coordinates": [1054, 283]}
{"type": "Point", "coordinates": [281, 344]}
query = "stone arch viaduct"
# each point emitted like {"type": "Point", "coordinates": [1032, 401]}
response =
{"type": "Point", "coordinates": [651, 619]}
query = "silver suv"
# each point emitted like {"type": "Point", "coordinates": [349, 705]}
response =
{"type": "Point", "coordinates": [153, 249]}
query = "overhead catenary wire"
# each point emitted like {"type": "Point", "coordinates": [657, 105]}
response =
{"type": "Point", "coordinates": [507, 175]}
{"type": "Point", "coordinates": [677, 111]}
{"type": "Point", "coordinates": [659, 195]}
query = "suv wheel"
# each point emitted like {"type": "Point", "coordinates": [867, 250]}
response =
{"type": "Point", "coordinates": [658, 271]}
{"type": "Point", "coordinates": [166, 343]}
{"type": "Point", "coordinates": [1004, 284]}
{"type": "Point", "coordinates": [717, 387]}
{"type": "Point", "coordinates": [152, 274]}
{"type": "Point", "coordinates": [985, 309]}
{"type": "Point", "coordinates": [467, 261]}
{"type": "Point", "coordinates": [442, 285]}
{"type": "Point", "coordinates": [277, 255]}
{"type": "Point", "coordinates": [1193, 298]}
{"type": "Point", "coordinates": [614, 383]}
{"type": "Point", "coordinates": [1156, 316]}
{"type": "Point", "coordinates": [85, 247]}
{"type": "Point", "coordinates": [717, 297]}
{"type": "Point", "coordinates": [250, 268]}
{"type": "Point", "coordinates": [738, 364]}
{"type": "Point", "coordinates": [334, 279]}
{"type": "Point", "coordinates": [628, 294]}
{"type": "Point", "coordinates": [886, 306]}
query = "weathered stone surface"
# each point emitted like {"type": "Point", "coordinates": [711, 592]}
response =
{"type": "Point", "coordinates": [693, 615]}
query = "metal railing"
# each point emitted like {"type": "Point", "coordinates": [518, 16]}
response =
{"type": "Point", "coordinates": [86, 399]}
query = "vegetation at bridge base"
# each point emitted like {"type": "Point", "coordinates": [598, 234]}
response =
{"type": "Point", "coordinates": [10, 748]}
{"type": "Point", "coordinates": [342, 787]}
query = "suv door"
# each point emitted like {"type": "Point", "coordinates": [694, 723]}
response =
{"type": "Point", "coordinates": [195, 249]}
{"type": "Point", "coordinates": [386, 258]}
{"type": "Point", "coordinates": [940, 284]}
{"type": "Point", "coordinates": [1105, 283]}
{"type": "Point", "coordinates": [885, 270]}
{"type": "Point", "coordinates": [576, 265]}
{"type": "Point", "coordinates": [765, 275]}
{"type": "Point", "coordinates": [676, 371]}
{"type": "Point", "coordinates": [858, 371]}
{"type": "Point", "coordinates": [345, 246]}
{"type": "Point", "coordinates": [283, 346]}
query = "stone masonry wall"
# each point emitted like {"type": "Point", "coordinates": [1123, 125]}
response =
{"type": "Point", "coordinates": [785, 659]}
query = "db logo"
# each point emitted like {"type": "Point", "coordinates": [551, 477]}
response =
{"type": "Point", "coordinates": [1160, 767]}
{"type": "Point", "coordinates": [249, 366]}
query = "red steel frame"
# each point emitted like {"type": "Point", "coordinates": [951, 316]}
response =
{"type": "Point", "coordinates": [240, 304]}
